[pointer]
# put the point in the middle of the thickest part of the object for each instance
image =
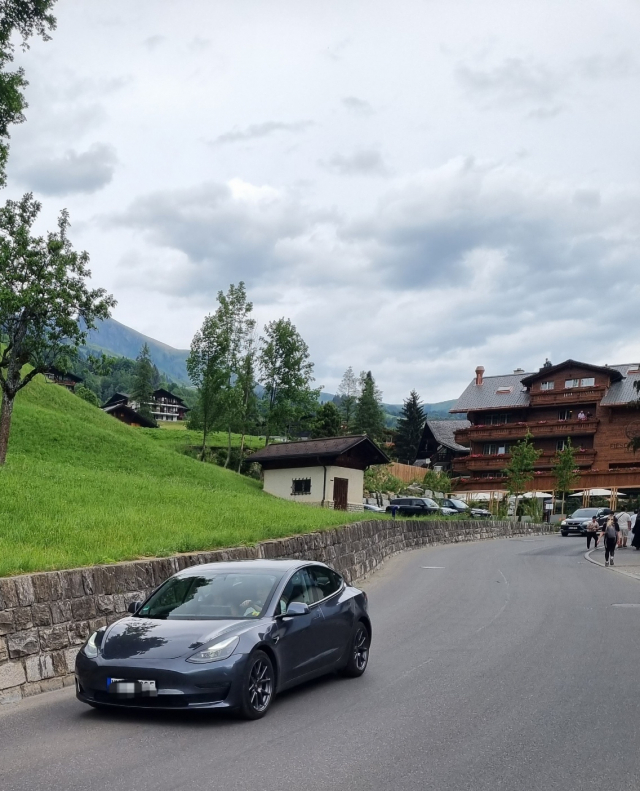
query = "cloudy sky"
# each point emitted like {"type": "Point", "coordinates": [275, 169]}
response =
{"type": "Point", "coordinates": [421, 185]}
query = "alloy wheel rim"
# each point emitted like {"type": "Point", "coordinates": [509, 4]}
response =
{"type": "Point", "coordinates": [361, 649]}
{"type": "Point", "coordinates": [260, 685]}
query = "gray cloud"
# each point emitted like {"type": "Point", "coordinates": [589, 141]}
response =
{"type": "Point", "coordinates": [153, 42]}
{"type": "Point", "coordinates": [360, 163]}
{"type": "Point", "coordinates": [358, 106]}
{"type": "Point", "coordinates": [261, 130]}
{"type": "Point", "coordinates": [71, 173]}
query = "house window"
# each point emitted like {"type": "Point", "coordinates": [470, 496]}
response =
{"type": "Point", "coordinates": [504, 390]}
{"type": "Point", "coordinates": [495, 449]}
{"type": "Point", "coordinates": [497, 420]}
{"type": "Point", "coordinates": [547, 385]}
{"type": "Point", "coordinates": [588, 382]}
{"type": "Point", "coordinates": [561, 444]}
{"type": "Point", "coordinates": [572, 383]}
{"type": "Point", "coordinates": [565, 414]}
{"type": "Point", "coordinates": [301, 486]}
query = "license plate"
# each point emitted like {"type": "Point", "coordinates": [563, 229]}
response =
{"type": "Point", "coordinates": [128, 688]}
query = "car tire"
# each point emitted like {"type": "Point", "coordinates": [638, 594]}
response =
{"type": "Point", "coordinates": [258, 686]}
{"type": "Point", "coordinates": [358, 652]}
{"type": "Point", "coordinates": [564, 533]}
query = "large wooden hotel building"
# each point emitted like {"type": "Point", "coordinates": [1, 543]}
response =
{"type": "Point", "coordinates": [596, 406]}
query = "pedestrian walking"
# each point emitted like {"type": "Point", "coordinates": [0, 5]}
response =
{"type": "Point", "coordinates": [624, 522]}
{"type": "Point", "coordinates": [610, 535]}
{"type": "Point", "coordinates": [593, 533]}
{"type": "Point", "coordinates": [636, 532]}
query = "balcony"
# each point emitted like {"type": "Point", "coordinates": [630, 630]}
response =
{"type": "Point", "coordinates": [543, 428]}
{"type": "Point", "coordinates": [571, 395]}
{"type": "Point", "coordinates": [546, 460]}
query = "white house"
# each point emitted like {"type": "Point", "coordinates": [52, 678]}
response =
{"type": "Point", "coordinates": [326, 472]}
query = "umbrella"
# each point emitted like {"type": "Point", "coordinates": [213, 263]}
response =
{"type": "Point", "coordinates": [537, 495]}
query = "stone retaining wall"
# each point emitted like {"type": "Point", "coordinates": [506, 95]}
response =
{"type": "Point", "coordinates": [45, 618]}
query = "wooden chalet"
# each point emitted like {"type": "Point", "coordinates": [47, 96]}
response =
{"type": "Point", "coordinates": [62, 378]}
{"type": "Point", "coordinates": [325, 472]}
{"type": "Point", "coordinates": [596, 406]}
{"type": "Point", "coordinates": [438, 446]}
{"type": "Point", "coordinates": [126, 414]}
{"type": "Point", "coordinates": [165, 405]}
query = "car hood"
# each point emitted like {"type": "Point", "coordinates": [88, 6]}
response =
{"type": "Point", "coordinates": [138, 638]}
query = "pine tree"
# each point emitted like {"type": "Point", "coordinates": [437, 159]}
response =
{"type": "Point", "coordinates": [369, 415]}
{"type": "Point", "coordinates": [348, 393]}
{"type": "Point", "coordinates": [409, 429]}
{"type": "Point", "coordinates": [328, 421]}
{"type": "Point", "coordinates": [143, 383]}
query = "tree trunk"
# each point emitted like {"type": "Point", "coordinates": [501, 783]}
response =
{"type": "Point", "coordinates": [241, 449]}
{"type": "Point", "coordinates": [6, 411]}
{"type": "Point", "coordinates": [204, 439]}
{"type": "Point", "coordinates": [228, 459]}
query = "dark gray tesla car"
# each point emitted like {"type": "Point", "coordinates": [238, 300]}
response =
{"type": "Point", "coordinates": [227, 636]}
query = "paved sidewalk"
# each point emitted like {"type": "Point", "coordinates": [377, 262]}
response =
{"type": "Point", "coordinates": [626, 561]}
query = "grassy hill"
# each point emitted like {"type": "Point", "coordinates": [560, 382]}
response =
{"type": "Point", "coordinates": [79, 487]}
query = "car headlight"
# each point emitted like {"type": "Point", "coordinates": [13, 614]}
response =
{"type": "Point", "coordinates": [216, 651]}
{"type": "Point", "coordinates": [564, 522]}
{"type": "Point", "coordinates": [92, 646]}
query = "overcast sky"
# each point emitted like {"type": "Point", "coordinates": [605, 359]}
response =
{"type": "Point", "coordinates": [422, 186]}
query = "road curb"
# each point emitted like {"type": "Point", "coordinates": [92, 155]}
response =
{"type": "Point", "coordinates": [588, 557]}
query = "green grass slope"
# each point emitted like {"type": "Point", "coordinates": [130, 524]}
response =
{"type": "Point", "coordinates": [79, 488]}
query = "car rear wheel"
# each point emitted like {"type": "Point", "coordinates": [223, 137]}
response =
{"type": "Point", "coordinates": [358, 652]}
{"type": "Point", "coordinates": [258, 687]}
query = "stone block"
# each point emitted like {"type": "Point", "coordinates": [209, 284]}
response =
{"type": "Point", "coordinates": [78, 633]}
{"type": "Point", "coordinates": [4, 652]}
{"type": "Point", "coordinates": [33, 688]}
{"type": "Point", "coordinates": [11, 695]}
{"type": "Point", "coordinates": [39, 667]}
{"type": "Point", "coordinates": [24, 590]}
{"type": "Point", "coordinates": [59, 663]}
{"type": "Point", "coordinates": [11, 675]}
{"type": "Point", "coordinates": [55, 584]}
{"type": "Point", "coordinates": [8, 595]}
{"type": "Point", "coordinates": [50, 684]}
{"type": "Point", "coordinates": [54, 638]}
{"type": "Point", "coordinates": [22, 618]}
{"type": "Point", "coordinates": [6, 621]}
{"type": "Point", "coordinates": [83, 609]}
{"type": "Point", "coordinates": [119, 603]}
{"type": "Point", "coordinates": [23, 643]}
{"type": "Point", "coordinates": [69, 681]}
{"type": "Point", "coordinates": [41, 588]}
{"type": "Point", "coordinates": [105, 604]}
{"type": "Point", "coordinates": [70, 658]}
{"type": "Point", "coordinates": [41, 614]}
{"type": "Point", "coordinates": [74, 584]}
{"type": "Point", "coordinates": [104, 579]}
{"type": "Point", "coordinates": [88, 582]}
{"type": "Point", "coordinates": [129, 579]}
{"type": "Point", "coordinates": [97, 623]}
{"type": "Point", "coordinates": [144, 576]}
{"type": "Point", "coordinates": [61, 611]}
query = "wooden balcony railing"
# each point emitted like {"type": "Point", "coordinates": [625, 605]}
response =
{"type": "Point", "coordinates": [572, 395]}
{"type": "Point", "coordinates": [546, 460]}
{"type": "Point", "coordinates": [546, 428]}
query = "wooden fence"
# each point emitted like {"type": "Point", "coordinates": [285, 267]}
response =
{"type": "Point", "coordinates": [406, 472]}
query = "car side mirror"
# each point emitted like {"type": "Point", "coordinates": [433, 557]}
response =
{"type": "Point", "coordinates": [134, 606]}
{"type": "Point", "coordinates": [297, 608]}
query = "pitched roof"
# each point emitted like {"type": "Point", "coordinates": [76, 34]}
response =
{"type": "Point", "coordinates": [607, 370]}
{"type": "Point", "coordinates": [444, 432]}
{"type": "Point", "coordinates": [130, 413]}
{"type": "Point", "coordinates": [326, 447]}
{"type": "Point", "coordinates": [622, 391]}
{"type": "Point", "coordinates": [162, 391]}
{"type": "Point", "coordinates": [486, 395]}
{"type": "Point", "coordinates": [117, 398]}
{"type": "Point", "coordinates": [63, 374]}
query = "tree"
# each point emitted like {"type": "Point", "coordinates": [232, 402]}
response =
{"type": "Point", "coordinates": [519, 471]}
{"type": "Point", "coordinates": [409, 428]}
{"type": "Point", "coordinates": [378, 480]}
{"type": "Point", "coordinates": [87, 395]}
{"type": "Point", "coordinates": [564, 469]}
{"type": "Point", "coordinates": [286, 373]}
{"type": "Point", "coordinates": [245, 387]}
{"type": "Point", "coordinates": [144, 382]}
{"type": "Point", "coordinates": [25, 18]}
{"type": "Point", "coordinates": [43, 294]}
{"type": "Point", "coordinates": [348, 392]}
{"type": "Point", "coordinates": [369, 415]}
{"type": "Point", "coordinates": [437, 481]}
{"type": "Point", "coordinates": [328, 421]}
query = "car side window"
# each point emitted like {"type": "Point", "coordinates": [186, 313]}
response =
{"type": "Point", "coordinates": [297, 589]}
{"type": "Point", "coordinates": [324, 581]}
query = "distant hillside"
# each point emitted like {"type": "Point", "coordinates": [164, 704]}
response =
{"type": "Point", "coordinates": [121, 341]}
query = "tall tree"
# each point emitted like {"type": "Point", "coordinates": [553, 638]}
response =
{"type": "Point", "coordinates": [43, 294]}
{"type": "Point", "coordinates": [246, 393]}
{"type": "Point", "coordinates": [144, 382]}
{"type": "Point", "coordinates": [409, 428]}
{"type": "Point", "coordinates": [519, 471]}
{"type": "Point", "coordinates": [22, 19]}
{"type": "Point", "coordinates": [348, 392]}
{"type": "Point", "coordinates": [327, 422]}
{"type": "Point", "coordinates": [564, 469]}
{"type": "Point", "coordinates": [369, 414]}
{"type": "Point", "coordinates": [286, 375]}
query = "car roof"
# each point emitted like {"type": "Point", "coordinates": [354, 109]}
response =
{"type": "Point", "coordinates": [248, 565]}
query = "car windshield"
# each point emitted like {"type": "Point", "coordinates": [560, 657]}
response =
{"type": "Point", "coordinates": [212, 596]}
{"type": "Point", "coordinates": [458, 504]}
{"type": "Point", "coordinates": [430, 503]}
{"type": "Point", "coordinates": [584, 513]}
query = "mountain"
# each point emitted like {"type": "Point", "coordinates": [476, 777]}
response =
{"type": "Point", "coordinates": [119, 340]}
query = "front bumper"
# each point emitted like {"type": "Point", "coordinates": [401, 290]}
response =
{"type": "Point", "coordinates": [580, 530]}
{"type": "Point", "coordinates": [180, 684]}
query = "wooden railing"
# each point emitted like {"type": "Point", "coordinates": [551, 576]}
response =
{"type": "Point", "coordinates": [546, 428]}
{"type": "Point", "coordinates": [570, 395]}
{"type": "Point", "coordinates": [584, 458]}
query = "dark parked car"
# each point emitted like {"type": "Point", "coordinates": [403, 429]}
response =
{"type": "Point", "coordinates": [413, 506]}
{"type": "Point", "coordinates": [578, 521]}
{"type": "Point", "coordinates": [462, 508]}
{"type": "Point", "coordinates": [227, 636]}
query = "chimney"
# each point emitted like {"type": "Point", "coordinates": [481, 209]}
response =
{"type": "Point", "coordinates": [479, 374]}
{"type": "Point", "coordinates": [519, 371]}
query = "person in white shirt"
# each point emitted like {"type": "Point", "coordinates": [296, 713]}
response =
{"type": "Point", "coordinates": [624, 520]}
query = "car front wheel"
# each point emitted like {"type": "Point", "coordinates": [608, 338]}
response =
{"type": "Point", "coordinates": [358, 652]}
{"type": "Point", "coordinates": [564, 533]}
{"type": "Point", "coordinates": [258, 687]}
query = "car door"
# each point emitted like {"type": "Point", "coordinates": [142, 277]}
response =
{"type": "Point", "coordinates": [336, 626]}
{"type": "Point", "coordinates": [299, 637]}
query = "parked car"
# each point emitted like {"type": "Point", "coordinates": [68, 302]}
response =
{"type": "Point", "coordinates": [413, 506]}
{"type": "Point", "coordinates": [462, 508]}
{"type": "Point", "coordinates": [376, 508]}
{"type": "Point", "coordinates": [578, 521]}
{"type": "Point", "coordinates": [227, 636]}
{"type": "Point", "coordinates": [448, 511]}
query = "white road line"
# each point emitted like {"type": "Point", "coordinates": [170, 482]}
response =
{"type": "Point", "coordinates": [433, 567]}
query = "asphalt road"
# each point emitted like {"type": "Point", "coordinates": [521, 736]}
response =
{"type": "Point", "coordinates": [509, 668]}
